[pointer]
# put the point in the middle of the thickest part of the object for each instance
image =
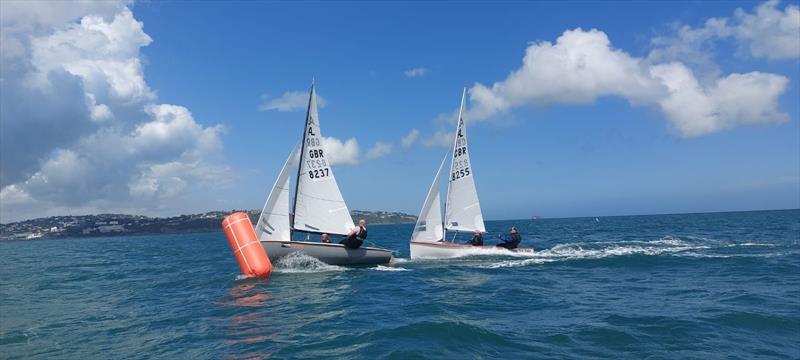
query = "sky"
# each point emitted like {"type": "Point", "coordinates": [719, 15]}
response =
{"type": "Point", "coordinates": [573, 108]}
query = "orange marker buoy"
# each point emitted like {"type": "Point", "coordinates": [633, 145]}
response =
{"type": "Point", "coordinates": [252, 258]}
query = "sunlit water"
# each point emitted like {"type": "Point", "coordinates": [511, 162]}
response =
{"type": "Point", "coordinates": [672, 286]}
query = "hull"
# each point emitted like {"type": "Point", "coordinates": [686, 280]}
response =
{"type": "Point", "coordinates": [332, 254]}
{"type": "Point", "coordinates": [440, 250]}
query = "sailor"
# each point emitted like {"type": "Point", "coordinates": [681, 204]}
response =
{"type": "Point", "coordinates": [477, 239]}
{"type": "Point", "coordinates": [510, 241]}
{"type": "Point", "coordinates": [324, 238]}
{"type": "Point", "coordinates": [356, 236]}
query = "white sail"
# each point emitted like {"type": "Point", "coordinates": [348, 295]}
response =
{"type": "Point", "coordinates": [462, 209]}
{"type": "Point", "coordinates": [318, 206]}
{"type": "Point", "coordinates": [273, 223]}
{"type": "Point", "coordinates": [429, 223]}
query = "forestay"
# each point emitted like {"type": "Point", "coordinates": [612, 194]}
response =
{"type": "Point", "coordinates": [319, 206]}
{"type": "Point", "coordinates": [429, 223]}
{"type": "Point", "coordinates": [273, 223]}
{"type": "Point", "coordinates": [462, 210]}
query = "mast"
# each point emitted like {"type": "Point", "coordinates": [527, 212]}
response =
{"type": "Point", "coordinates": [302, 150]}
{"type": "Point", "coordinates": [455, 139]}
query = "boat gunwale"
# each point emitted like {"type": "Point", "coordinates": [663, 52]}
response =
{"type": "Point", "coordinates": [448, 244]}
{"type": "Point", "coordinates": [328, 244]}
{"type": "Point", "coordinates": [452, 245]}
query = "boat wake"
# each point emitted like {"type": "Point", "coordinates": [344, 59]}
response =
{"type": "Point", "coordinates": [690, 247]}
{"type": "Point", "coordinates": [298, 262]}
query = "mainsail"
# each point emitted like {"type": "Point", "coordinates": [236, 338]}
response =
{"type": "Point", "coordinates": [318, 205]}
{"type": "Point", "coordinates": [462, 209]}
{"type": "Point", "coordinates": [273, 223]}
{"type": "Point", "coordinates": [429, 223]}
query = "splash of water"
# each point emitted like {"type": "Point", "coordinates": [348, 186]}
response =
{"type": "Point", "coordinates": [299, 262]}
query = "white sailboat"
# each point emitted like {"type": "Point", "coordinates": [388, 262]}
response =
{"type": "Point", "coordinates": [462, 208]}
{"type": "Point", "coordinates": [318, 206]}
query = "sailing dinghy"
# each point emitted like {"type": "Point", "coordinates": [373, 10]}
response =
{"type": "Point", "coordinates": [318, 206]}
{"type": "Point", "coordinates": [462, 209]}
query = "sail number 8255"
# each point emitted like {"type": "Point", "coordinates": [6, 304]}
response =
{"type": "Point", "coordinates": [458, 174]}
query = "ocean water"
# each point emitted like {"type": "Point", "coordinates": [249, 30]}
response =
{"type": "Point", "coordinates": [723, 285]}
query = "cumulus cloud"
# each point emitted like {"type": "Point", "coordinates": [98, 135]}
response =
{"type": "Point", "coordinates": [290, 101]}
{"type": "Point", "coordinates": [416, 72]}
{"type": "Point", "coordinates": [441, 138]}
{"type": "Point", "coordinates": [737, 99]}
{"type": "Point", "coordinates": [341, 152]}
{"type": "Point", "coordinates": [81, 131]}
{"type": "Point", "coordinates": [583, 65]}
{"type": "Point", "coordinates": [409, 140]}
{"type": "Point", "coordinates": [767, 33]}
{"type": "Point", "coordinates": [380, 149]}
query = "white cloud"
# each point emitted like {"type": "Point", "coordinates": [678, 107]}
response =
{"type": "Point", "coordinates": [767, 33]}
{"type": "Point", "coordinates": [737, 99]}
{"type": "Point", "coordinates": [339, 152]}
{"type": "Point", "coordinates": [291, 101]}
{"type": "Point", "coordinates": [416, 72]}
{"type": "Point", "coordinates": [25, 16]}
{"type": "Point", "coordinates": [104, 54]}
{"type": "Point", "coordinates": [582, 66]}
{"type": "Point", "coordinates": [440, 138]}
{"type": "Point", "coordinates": [81, 129]}
{"type": "Point", "coordinates": [409, 140]}
{"type": "Point", "coordinates": [380, 149]}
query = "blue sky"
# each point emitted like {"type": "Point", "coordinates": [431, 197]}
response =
{"type": "Point", "coordinates": [620, 131]}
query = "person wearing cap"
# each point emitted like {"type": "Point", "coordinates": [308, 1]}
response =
{"type": "Point", "coordinates": [510, 241]}
{"type": "Point", "coordinates": [477, 239]}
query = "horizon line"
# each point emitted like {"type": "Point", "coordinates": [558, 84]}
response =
{"type": "Point", "coordinates": [416, 215]}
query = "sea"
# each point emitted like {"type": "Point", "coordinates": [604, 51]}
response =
{"type": "Point", "coordinates": [690, 286]}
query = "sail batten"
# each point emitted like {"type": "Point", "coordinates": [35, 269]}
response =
{"type": "Point", "coordinates": [462, 207]}
{"type": "Point", "coordinates": [318, 206]}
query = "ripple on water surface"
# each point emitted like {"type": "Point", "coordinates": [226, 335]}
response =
{"type": "Point", "coordinates": [699, 285]}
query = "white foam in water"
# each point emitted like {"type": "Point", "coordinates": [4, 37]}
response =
{"type": "Point", "coordinates": [578, 251]}
{"type": "Point", "coordinates": [389, 268]}
{"type": "Point", "coordinates": [298, 262]}
{"type": "Point", "coordinates": [753, 244]}
{"type": "Point", "coordinates": [516, 263]}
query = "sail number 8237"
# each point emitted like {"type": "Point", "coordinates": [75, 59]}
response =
{"type": "Point", "coordinates": [320, 173]}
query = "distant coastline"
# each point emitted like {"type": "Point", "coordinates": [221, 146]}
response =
{"type": "Point", "coordinates": [124, 225]}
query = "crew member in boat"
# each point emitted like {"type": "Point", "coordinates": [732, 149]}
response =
{"type": "Point", "coordinates": [477, 239]}
{"type": "Point", "coordinates": [356, 237]}
{"type": "Point", "coordinates": [510, 241]}
{"type": "Point", "coordinates": [324, 238]}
